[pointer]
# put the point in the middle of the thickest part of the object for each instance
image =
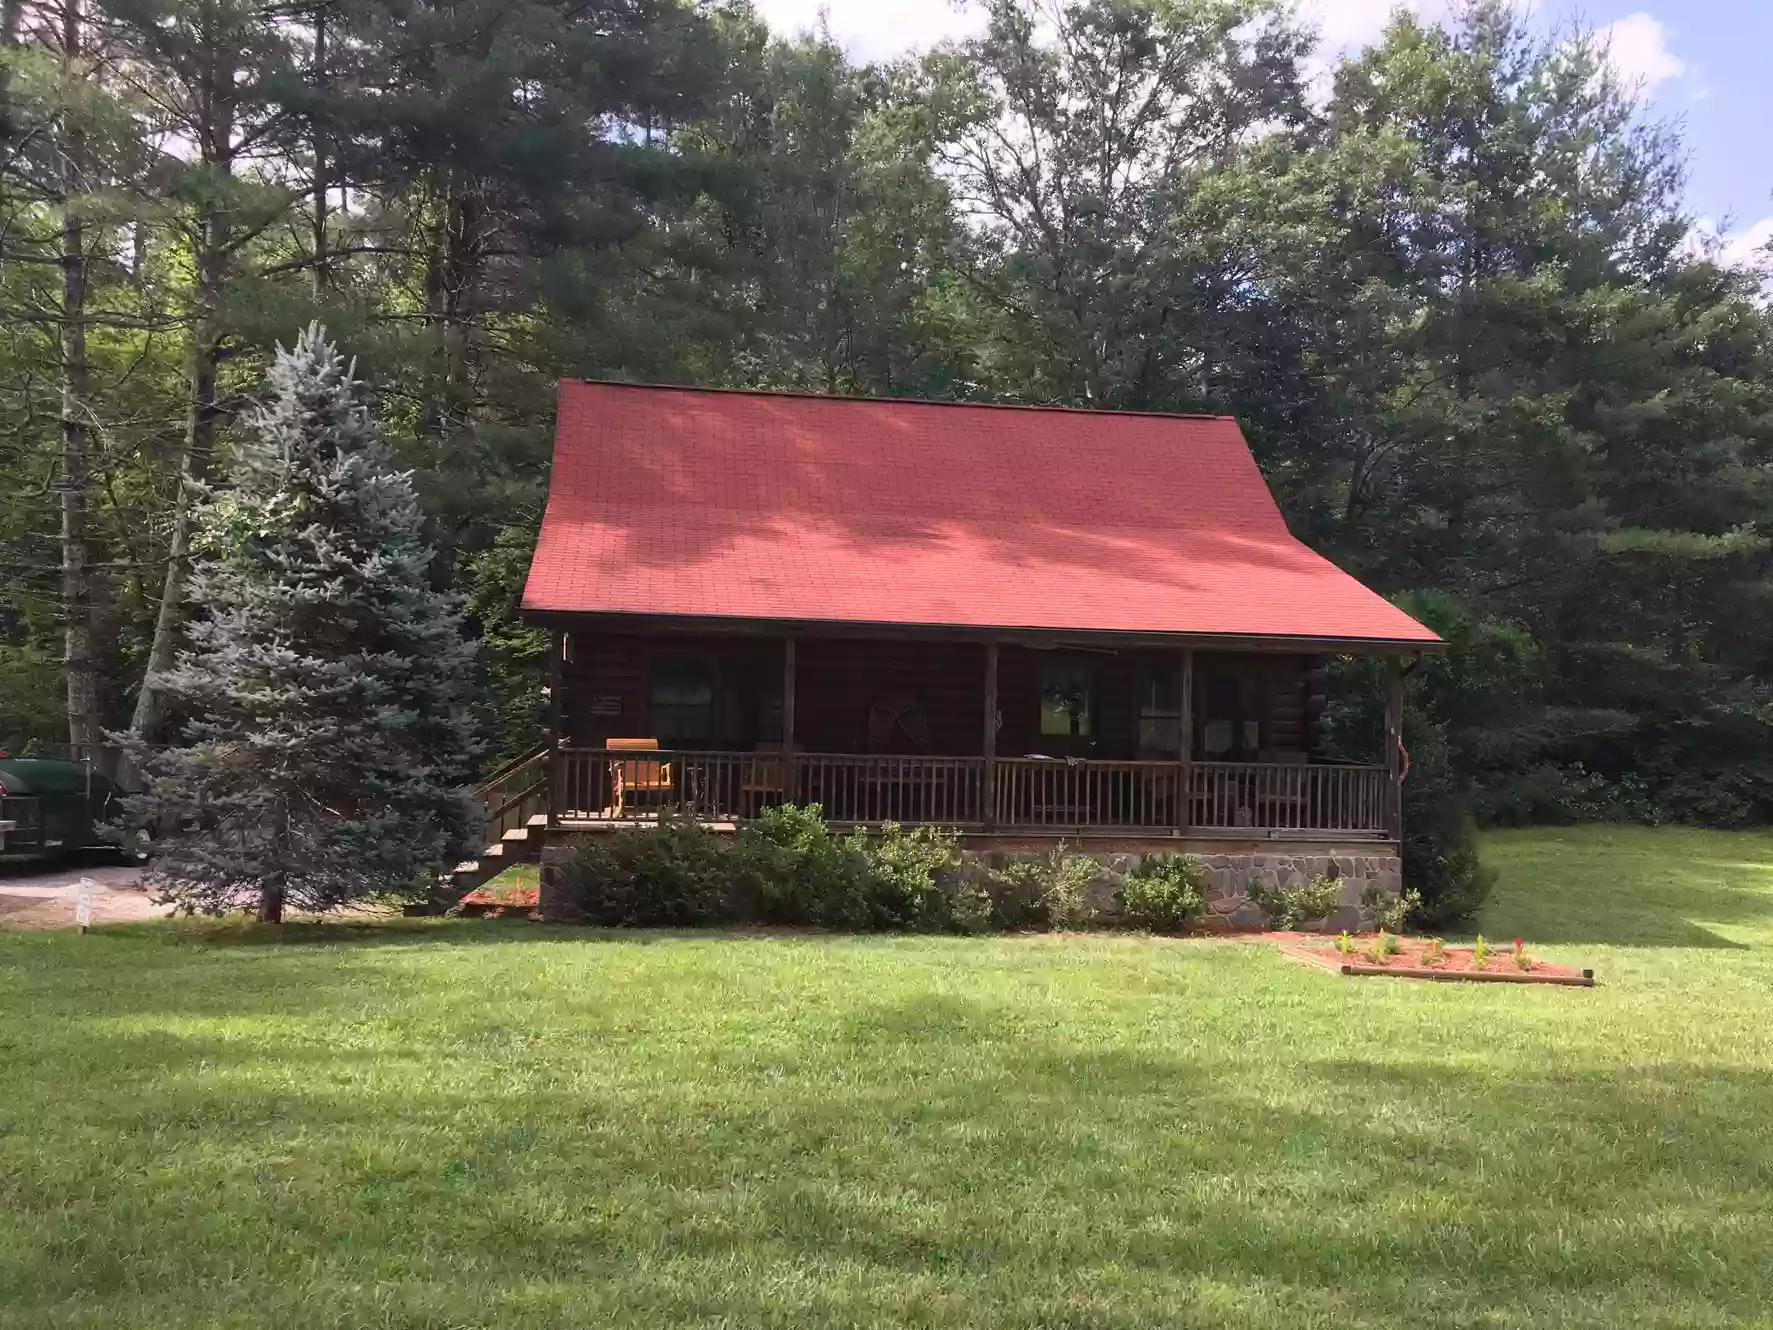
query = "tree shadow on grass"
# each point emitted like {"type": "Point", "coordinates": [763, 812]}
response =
{"type": "Point", "coordinates": [941, 1142]}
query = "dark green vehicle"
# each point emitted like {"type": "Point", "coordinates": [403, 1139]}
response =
{"type": "Point", "coordinates": [49, 807]}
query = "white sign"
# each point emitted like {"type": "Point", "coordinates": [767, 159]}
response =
{"type": "Point", "coordinates": [83, 903]}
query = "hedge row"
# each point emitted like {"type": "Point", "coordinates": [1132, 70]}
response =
{"type": "Point", "coordinates": [787, 867]}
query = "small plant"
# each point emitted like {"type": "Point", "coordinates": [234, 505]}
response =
{"type": "Point", "coordinates": [1382, 948]}
{"type": "Point", "coordinates": [1164, 893]}
{"type": "Point", "coordinates": [1435, 953]}
{"type": "Point", "coordinates": [1067, 890]}
{"type": "Point", "coordinates": [1480, 952]}
{"type": "Point", "coordinates": [1345, 944]}
{"type": "Point", "coordinates": [969, 908]}
{"type": "Point", "coordinates": [1521, 960]}
{"type": "Point", "coordinates": [1052, 890]}
{"type": "Point", "coordinates": [1287, 908]}
{"type": "Point", "coordinates": [1391, 913]}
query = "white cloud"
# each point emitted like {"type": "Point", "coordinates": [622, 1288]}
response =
{"type": "Point", "coordinates": [1344, 25]}
{"type": "Point", "coordinates": [1745, 246]}
{"type": "Point", "coordinates": [876, 29]}
{"type": "Point", "coordinates": [1637, 48]}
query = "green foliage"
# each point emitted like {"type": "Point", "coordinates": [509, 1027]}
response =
{"type": "Point", "coordinates": [1051, 891]}
{"type": "Point", "coordinates": [786, 868]}
{"type": "Point", "coordinates": [1455, 308]}
{"type": "Point", "coordinates": [326, 745]}
{"type": "Point", "coordinates": [804, 873]}
{"type": "Point", "coordinates": [911, 875]}
{"type": "Point", "coordinates": [677, 875]}
{"type": "Point", "coordinates": [1391, 912]}
{"type": "Point", "coordinates": [1164, 894]}
{"type": "Point", "coordinates": [1382, 948]}
{"type": "Point", "coordinates": [1291, 907]}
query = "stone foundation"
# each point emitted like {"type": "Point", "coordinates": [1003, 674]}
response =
{"type": "Point", "coordinates": [1228, 902]}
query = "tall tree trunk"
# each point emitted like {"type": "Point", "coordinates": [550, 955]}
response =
{"type": "Point", "coordinates": [11, 11]}
{"type": "Point", "coordinates": [202, 356]}
{"type": "Point", "coordinates": [76, 429]}
{"type": "Point", "coordinates": [322, 265]}
{"type": "Point", "coordinates": [271, 903]}
{"type": "Point", "coordinates": [199, 447]}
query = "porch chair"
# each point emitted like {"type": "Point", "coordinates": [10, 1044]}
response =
{"type": "Point", "coordinates": [629, 777]}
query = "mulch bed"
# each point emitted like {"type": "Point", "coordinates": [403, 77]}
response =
{"type": "Point", "coordinates": [483, 904]}
{"type": "Point", "coordinates": [1413, 961]}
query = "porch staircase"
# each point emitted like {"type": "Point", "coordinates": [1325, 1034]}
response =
{"type": "Point", "coordinates": [516, 802]}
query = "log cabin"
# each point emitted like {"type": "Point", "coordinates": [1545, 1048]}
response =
{"type": "Point", "coordinates": [1017, 622]}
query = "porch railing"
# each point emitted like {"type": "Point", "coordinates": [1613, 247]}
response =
{"type": "Point", "coordinates": [1291, 797]}
{"type": "Point", "coordinates": [1055, 794]}
{"type": "Point", "coordinates": [594, 785]}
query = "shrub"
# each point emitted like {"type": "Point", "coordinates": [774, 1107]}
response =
{"type": "Point", "coordinates": [1288, 908]}
{"type": "Point", "coordinates": [1049, 892]}
{"type": "Point", "coordinates": [1391, 913]}
{"type": "Point", "coordinates": [969, 908]}
{"type": "Point", "coordinates": [677, 875]}
{"type": "Point", "coordinates": [909, 872]}
{"type": "Point", "coordinates": [1164, 893]}
{"type": "Point", "coordinates": [1016, 893]}
{"type": "Point", "coordinates": [798, 871]}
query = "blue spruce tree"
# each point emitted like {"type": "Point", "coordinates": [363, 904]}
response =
{"type": "Point", "coordinates": [327, 746]}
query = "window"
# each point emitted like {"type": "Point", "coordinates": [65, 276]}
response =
{"type": "Point", "coordinates": [1160, 714]}
{"type": "Point", "coordinates": [1065, 703]}
{"type": "Point", "coordinates": [1232, 726]}
{"type": "Point", "coordinates": [682, 701]}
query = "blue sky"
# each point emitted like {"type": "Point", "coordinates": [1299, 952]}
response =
{"type": "Point", "coordinates": [1705, 64]}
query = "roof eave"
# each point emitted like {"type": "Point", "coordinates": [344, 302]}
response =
{"type": "Point", "coordinates": [584, 620]}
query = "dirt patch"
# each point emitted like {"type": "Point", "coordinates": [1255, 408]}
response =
{"type": "Point", "coordinates": [40, 897]}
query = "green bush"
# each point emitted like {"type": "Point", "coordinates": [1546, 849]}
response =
{"type": "Point", "coordinates": [1391, 913]}
{"type": "Point", "coordinates": [1164, 893]}
{"type": "Point", "coordinates": [675, 876]}
{"type": "Point", "coordinates": [911, 878]}
{"type": "Point", "coordinates": [788, 867]}
{"type": "Point", "coordinates": [802, 872]}
{"type": "Point", "coordinates": [1288, 908]}
{"type": "Point", "coordinates": [1049, 892]}
{"type": "Point", "coordinates": [969, 908]}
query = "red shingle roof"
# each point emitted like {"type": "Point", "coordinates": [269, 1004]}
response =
{"type": "Point", "coordinates": [680, 501]}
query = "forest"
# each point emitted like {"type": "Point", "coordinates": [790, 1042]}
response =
{"type": "Point", "coordinates": [1448, 285]}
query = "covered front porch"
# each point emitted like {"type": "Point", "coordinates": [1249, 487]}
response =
{"type": "Point", "coordinates": [1009, 737]}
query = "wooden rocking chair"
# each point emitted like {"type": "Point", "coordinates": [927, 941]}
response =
{"type": "Point", "coordinates": [631, 777]}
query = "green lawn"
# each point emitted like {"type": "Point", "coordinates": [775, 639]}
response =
{"type": "Point", "coordinates": [493, 1124]}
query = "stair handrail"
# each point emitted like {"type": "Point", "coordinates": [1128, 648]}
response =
{"type": "Point", "coordinates": [509, 769]}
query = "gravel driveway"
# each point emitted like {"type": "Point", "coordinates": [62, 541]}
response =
{"type": "Point", "coordinates": [42, 896]}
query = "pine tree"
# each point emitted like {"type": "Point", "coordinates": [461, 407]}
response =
{"type": "Point", "coordinates": [327, 740]}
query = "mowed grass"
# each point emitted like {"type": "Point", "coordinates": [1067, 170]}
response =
{"type": "Point", "coordinates": [497, 1124]}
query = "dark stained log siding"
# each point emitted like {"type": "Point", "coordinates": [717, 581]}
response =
{"type": "Point", "coordinates": [840, 680]}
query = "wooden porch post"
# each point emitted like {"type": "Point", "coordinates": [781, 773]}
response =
{"type": "Point", "coordinates": [556, 769]}
{"type": "Point", "coordinates": [791, 790]}
{"type": "Point", "coordinates": [1185, 740]}
{"type": "Point", "coordinates": [988, 814]}
{"type": "Point", "coordinates": [1394, 745]}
